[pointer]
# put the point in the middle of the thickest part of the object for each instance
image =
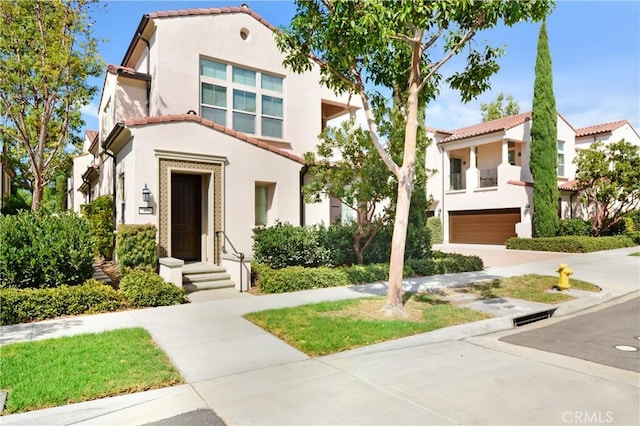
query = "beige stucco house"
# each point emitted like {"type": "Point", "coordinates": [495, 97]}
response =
{"type": "Point", "coordinates": [483, 187]}
{"type": "Point", "coordinates": [201, 133]}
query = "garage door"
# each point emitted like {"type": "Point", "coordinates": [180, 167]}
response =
{"type": "Point", "coordinates": [483, 226]}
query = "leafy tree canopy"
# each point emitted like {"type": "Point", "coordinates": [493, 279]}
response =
{"type": "Point", "coordinates": [608, 178]}
{"type": "Point", "coordinates": [497, 109]}
{"type": "Point", "coordinates": [47, 53]}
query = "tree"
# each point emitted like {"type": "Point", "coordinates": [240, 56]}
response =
{"type": "Point", "coordinates": [544, 139]}
{"type": "Point", "coordinates": [47, 53]}
{"type": "Point", "coordinates": [401, 46]}
{"type": "Point", "coordinates": [609, 182]}
{"type": "Point", "coordinates": [496, 109]}
{"type": "Point", "coordinates": [356, 178]}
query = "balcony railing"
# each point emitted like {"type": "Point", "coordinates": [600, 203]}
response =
{"type": "Point", "coordinates": [488, 178]}
{"type": "Point", "coordinates": [457, 181]}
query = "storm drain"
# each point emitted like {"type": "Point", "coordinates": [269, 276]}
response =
{"type": "Point", "coordinates": [531, 318]}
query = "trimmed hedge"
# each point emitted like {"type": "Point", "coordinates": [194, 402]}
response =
{"type": "Point", "coordinates": [574, 227]}
{"type": "Point", "coordinates": [40, 250]}
{"type": "Point", "coordinates": [296, 278]}
{"type": "Point", "coordinates": [570, 244]}
{"type": "Point", "coordinates": [144, 289]}
{"type": "Point", "coordinates": [284, 245]}
{"type": "Point", "coordinates": [136, 247]}
{"type": "Point", "coordinates": [434, 224]}
{"type": "Point", "coordinates": [25, 305]}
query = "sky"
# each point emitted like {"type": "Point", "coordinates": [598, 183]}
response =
{"type": "Point", "coordinates": [595, 51]}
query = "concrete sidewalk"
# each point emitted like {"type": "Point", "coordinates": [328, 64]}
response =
{"type": "Point", "coordinates": [250, 377]}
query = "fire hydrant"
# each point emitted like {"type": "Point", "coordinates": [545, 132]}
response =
{"type": "Point", "coordinates": [563, 279]}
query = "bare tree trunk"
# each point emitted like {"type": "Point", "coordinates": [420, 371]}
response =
{"type": "Point", "coordinates": [38, 192]}
{"type": "Point", "coordinates": [358, 249]}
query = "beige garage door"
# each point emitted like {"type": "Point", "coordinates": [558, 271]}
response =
{"type": "Point", "coordinates": [483, 226]}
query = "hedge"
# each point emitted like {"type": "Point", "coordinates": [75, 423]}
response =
{"type": "Point", "coordinates": [570, 244]}
{"type": "Point", "coordinates": [136, 247]}
{"type": "Point", "coordinates": [434, 224]}
{"type": "Point", "coordinates": [100, 216]}
{"type": "Point", "coordinates": [296, 278]}
{"type": "Point", "coordinates": [25, 305]}
{"type": "Point", "coordinates": [143, 289]}
{"type": "Point", "coordinates": [41, 250]}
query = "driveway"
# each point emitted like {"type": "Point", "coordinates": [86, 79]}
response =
{"type": "Point", "coordinates": [499, 256]}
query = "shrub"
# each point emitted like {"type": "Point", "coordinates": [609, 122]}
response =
{"type": "Point", "coordinates": [574, 227]}
{"type": "Point", "coordinates": [434, 224]}
{"type": "Point", "coordinates": [296, 278]}
{"type": "Point", "coordinates": [338, 239]}
{"type": "Point", "coordinates": [284, 245]}
{"type": "Point", "coordinates": [136, 247]}
{"type": "Point", "coordinates": [24, 305]}
{"type": "Point", "coordinates": [40, 250]}
{"type": "Point", "coordinates": [570, 244]}
{"type": "Point", "coordinates": [144, 289]}
{"type": "Point", "coordinates": [100, 216]}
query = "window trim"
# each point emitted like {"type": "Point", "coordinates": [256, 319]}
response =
{"type": "Point", "coordinates": [558, 153]}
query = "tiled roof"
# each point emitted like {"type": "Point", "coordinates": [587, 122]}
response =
{"type": "Point", "coordinates": [568, 186]}
{"type": "Point", "coordinates": [499, 124]}
{"type": "Point", "coordinates": [118, 69]}
{"type": "Point", "coordinates": [238, 135]}
{"type": "Point", "coordinates": [600, 128]}
{"type": "Point", "coordinates": [212, 11]}
{"type": "Point", "coordinates": [520, 183]}
{"type": "Point", "coordinates": [434, 130]}
{"type": "Point", "coordinates": [91, 134]}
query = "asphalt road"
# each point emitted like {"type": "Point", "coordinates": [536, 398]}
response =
{"type": "Point", "coordinates": [598, 336]}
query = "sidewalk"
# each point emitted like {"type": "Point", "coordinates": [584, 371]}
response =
{"type": "Point", "coordinates": [248, 376]}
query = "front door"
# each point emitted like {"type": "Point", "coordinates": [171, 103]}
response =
{"type": "Point", "coordinates": [186, 216]}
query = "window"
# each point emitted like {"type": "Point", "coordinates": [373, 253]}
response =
{"type": "Point", "coordinates": [512, 153]}
{"type": "Point", "coordinates": [261, 204]}
{"type": "Point", "coordinates": [255, 98]}
{"type": "Point", "coordinates": [560, 158]}
{"type": "Point", "coordinates": [455, 174]}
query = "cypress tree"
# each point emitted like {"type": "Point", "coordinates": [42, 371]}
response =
{"type": "Point", "coordinates": [544, 139]}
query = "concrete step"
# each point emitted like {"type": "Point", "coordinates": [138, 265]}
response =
{"type": "Point", "coordinates": [198, 278]}
{"type": "Point", "coordinates": [207, 285]}
{"type": "Point", "coordinates": [201, 268]}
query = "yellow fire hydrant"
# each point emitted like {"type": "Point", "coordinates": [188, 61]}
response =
{"type": "Point", "coordinates": [563, 279]}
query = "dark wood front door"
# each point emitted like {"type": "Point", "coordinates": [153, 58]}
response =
{"type": "Point", "coordinates": [186, 216]}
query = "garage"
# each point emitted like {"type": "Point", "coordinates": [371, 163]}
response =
{"type": "Point", "coordinates": [483, 226]}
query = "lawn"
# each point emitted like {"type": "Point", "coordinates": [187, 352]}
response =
{"type": "Point", "coordinates": [531, 287]}
{"type": "Point", "coordinates": [635, 254]}
{"type": "Point", "coordinates": [61, 371]}
{"type": "Point", "coordinates": [329, 327]}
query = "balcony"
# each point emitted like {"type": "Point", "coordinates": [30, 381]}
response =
{"type": "Point", "coordinates": [488, 178]}
{"type": "Point", "coordinates": [457, 182]}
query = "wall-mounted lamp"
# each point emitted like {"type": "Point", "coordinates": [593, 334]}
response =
{"type": "Point", "coordinates": [526, 206]}
{"type": "Point", "coordinates": [438, 211]}
{"type": "Point", "coordinates": [519, 154]}
{"type": "Point", "coordinates": [145, 193]}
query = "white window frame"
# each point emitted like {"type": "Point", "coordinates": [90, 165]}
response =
{"type": "Point", "coordinates": [560, 144]}
{"type": "Point", "coordinates": [257, 89]}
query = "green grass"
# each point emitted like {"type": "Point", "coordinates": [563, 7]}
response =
{"type": "Point", "coordinates": [329, 327]}
{"type": "Point", "coordinates": [54, 372]}
{"type": "Point", "coordinates": [531, 287]}
{"type": "Point", "coordinates": [635, 254]}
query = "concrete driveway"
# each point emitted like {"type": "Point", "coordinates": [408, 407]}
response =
{"type": "Point", "coordinates": [499, 256]}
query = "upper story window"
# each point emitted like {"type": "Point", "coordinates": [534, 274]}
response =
{"type": "Point", "coordinates": [245, 100]}
{"type": "Point", "coordinates": [560, 158]}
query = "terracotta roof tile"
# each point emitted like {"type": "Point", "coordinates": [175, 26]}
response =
{"type": "Point", "coordinates": [600, 128]}
{"type": "Point", "coordinates": [91, 134]}
{"type": "Point", "coordinates": [212, 11]}
{"type": "Point", "coordinates": [520, 183]}
{"type": "Point", "coordinates": [568, 186]}
{"type": "Point", "coordinates": [191, 117]}
{"type": "Point", "coordinates": [503, 123]}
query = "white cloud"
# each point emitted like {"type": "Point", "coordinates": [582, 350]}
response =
{"type": "Point", "coordinates": [90, 110]}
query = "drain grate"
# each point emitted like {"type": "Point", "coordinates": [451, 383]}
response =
{"type": "Point", "coordinates": [528, 319]}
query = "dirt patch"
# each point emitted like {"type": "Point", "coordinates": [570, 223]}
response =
{"type": "Point", "coordinates": [372, 309]}
{"type": "Point", "coordinates": [110, 268]}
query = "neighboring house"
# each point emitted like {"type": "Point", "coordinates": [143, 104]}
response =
{"type": "Point", "coordinates": [202, 119]}
{"type": "Point", "coordinates": [483, 189]}
{"type": "Point", "coordinates": [5, 183]}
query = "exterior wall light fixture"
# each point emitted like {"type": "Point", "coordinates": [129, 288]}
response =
{"type": "Point", "coordinates": [145, 193]}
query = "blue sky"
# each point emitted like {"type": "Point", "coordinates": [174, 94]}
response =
{"type": "Point", "coordinates": [595, 49]}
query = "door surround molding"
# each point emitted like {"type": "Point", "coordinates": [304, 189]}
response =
{"type": "Point", "coordinates": [212, 171]}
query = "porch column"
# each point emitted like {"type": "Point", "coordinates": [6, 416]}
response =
{"type": "Point", "coordinates": [472, 173]}
{"type": "Point", "coordinates": [505, 152]}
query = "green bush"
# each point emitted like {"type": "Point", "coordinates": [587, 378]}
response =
{"type": "Point", "coordinates": [25, 305]}
{"type": "Point", "coordinates": [434, 224]}
{"type": "Point", "coordinates": [284, 245]}
{"type": "Point", "coordinates": [100, 216]}
{"type": "Point", "coordinates": [570, 244]}
{"type": "Point", "coordinates": [144, 289]}
{"type": "Point", "coordinates": [574, 227]}
{"type": "Point", "coordinates": [136, 247]}
{"type": "Point", "coordinates": [296, 278]}
{"type": "Point", "coordinates": [40, 250]}
{"type": "Point", "coordinates": [338, 239]}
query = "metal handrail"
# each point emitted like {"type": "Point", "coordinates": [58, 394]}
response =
{"type": "Point", "coordinates": [236, 253]}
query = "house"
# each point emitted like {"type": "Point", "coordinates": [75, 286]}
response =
{"type": "Point", "coordinates": [201, 133]}
{"type": "Point", "coordinates": [483, 187]}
